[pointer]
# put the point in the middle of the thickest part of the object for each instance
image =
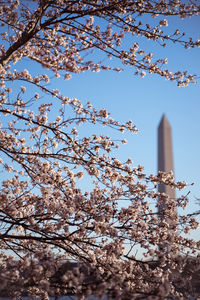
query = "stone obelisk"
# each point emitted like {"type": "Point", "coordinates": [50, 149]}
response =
{"type": "Point", "coordinates": [165, 155]}
{"type": "Point", "coordinates": [166, 204]}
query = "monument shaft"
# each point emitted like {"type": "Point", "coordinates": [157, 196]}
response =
{"type": "Point", "coordinates": [166, 203]}
{"type": "Point", "coordinates": [165, 155]}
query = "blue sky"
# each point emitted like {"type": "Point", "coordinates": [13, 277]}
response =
{"type": "Point", "coordinates": [144, 100]}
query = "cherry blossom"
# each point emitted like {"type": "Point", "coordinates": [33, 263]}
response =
{"type": "Point", "coordinates": [57, 236]}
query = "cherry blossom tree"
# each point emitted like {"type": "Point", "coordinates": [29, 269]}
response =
{"type": "Point", "coordinates": [57, 236]}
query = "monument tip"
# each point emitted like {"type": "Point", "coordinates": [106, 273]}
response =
{"type": "Point", "coordinates": [164, 121]}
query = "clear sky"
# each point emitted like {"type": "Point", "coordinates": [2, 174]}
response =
{"type": "Point", "coordinates": [144, 100]}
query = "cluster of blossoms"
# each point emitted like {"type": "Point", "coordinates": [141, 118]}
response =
{"type": "Point", "coordinates": [56, 35]}
{"type": "Point", "coordinates": [56, 238]}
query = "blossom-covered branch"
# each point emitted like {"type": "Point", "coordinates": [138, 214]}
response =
{"type": "Point", "coordinates": [57, 235]}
